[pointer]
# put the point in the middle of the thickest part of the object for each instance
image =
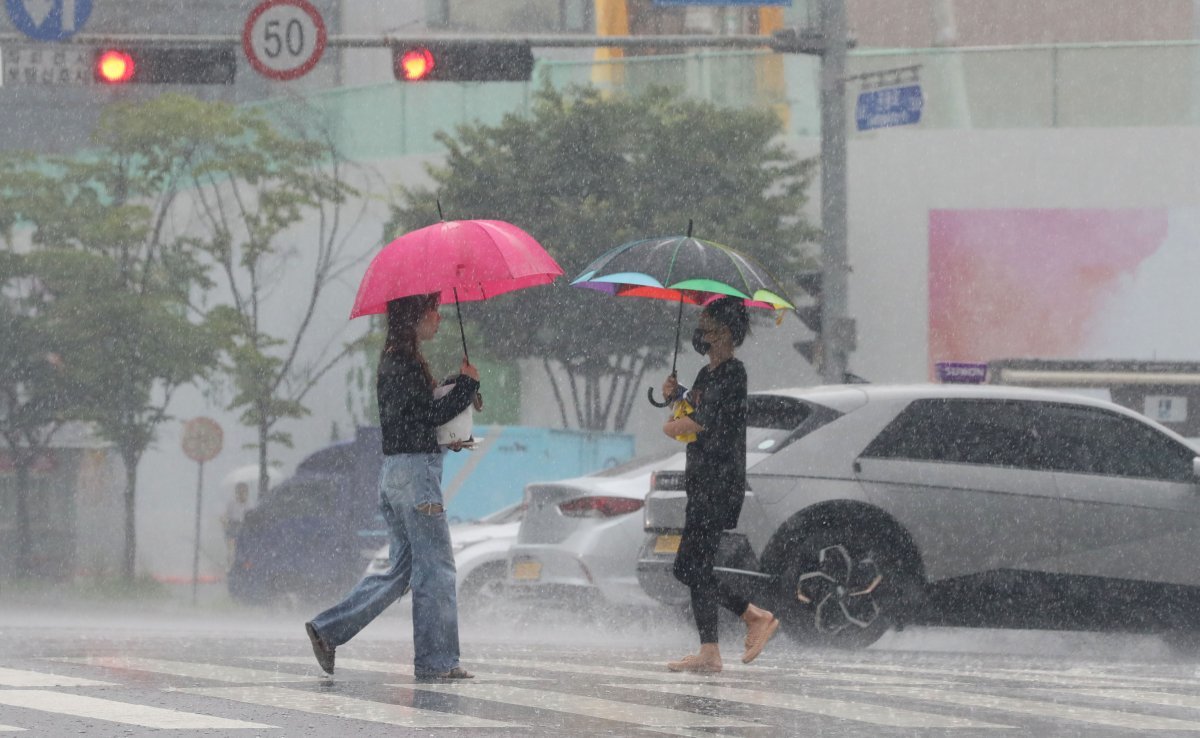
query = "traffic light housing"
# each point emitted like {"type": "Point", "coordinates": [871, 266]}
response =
{"type": "Point", "coordinates": [463, 61]}
{"type": "Point", "coordinates": [175, 65]}
{"type": "Point", "coordinates": [810, 316]}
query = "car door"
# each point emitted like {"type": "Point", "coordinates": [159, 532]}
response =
{"type": "Point", "coordinates": [1131, 502]}
{"type": "Point", "coordinates": [964, 477]}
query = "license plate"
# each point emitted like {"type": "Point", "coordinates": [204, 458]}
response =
{"type": "Point", "coordinates": [527, 570]}
{"type": "Point", "coordinates": [667, 543]}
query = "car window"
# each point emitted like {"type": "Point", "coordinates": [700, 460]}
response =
{"type": "Point", "coordinates": [336, 460]}
{"type": "Point", "coordinates": [640, 464]}
{"type": "Point", "coordinates": [302, 496]}
{"type": "Point", "coordinates": [1096, 441]}
{"type": "Point", "coordinates": [773, 421]}
{"type": "Point", "coordinates": [966, 431]}
{"type": "Point", "coordinates": [510, 514]}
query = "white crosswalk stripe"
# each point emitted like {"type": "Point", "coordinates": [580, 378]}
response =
{"type": "Point", "coordinates": [843, 709]}
{"type": "Point", "coordinates": [195, 670]}
{"type": "Point", "coordinates": [825, 673]}
{"type": "Point", "coordinates": [905, 697]}
{"type": "Point", "coordinates": [1165, 699]}
{"type": "Point", "coordinates": [20, 678]}
{"type": "Point", "coordinates": [625, 712]}
{"type": "Point", "coordinates": [1067, 678]}
{"type": "Point", "coordinates": [322, 703]}
{"type": "Point", "coordinates": [118, 712]}
{"type": "Point", "coordinates": [390, 667]}
{"type": "Point", "coordinates": [1056, 710]}
{"type": "Point", "coordinates": [616, 671]}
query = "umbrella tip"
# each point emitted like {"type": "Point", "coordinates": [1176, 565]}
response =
{"type": "Point", "coordinates": [689, 235]}
{"type": "Point", "coordinates": [439, 206]}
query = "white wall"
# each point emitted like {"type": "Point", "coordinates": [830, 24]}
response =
{"type": "Point", "coordinates": [897, 176]}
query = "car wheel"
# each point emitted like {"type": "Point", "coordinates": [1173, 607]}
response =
{"type": "Point", "coordinates": [485, 590]}
{"type": "Point", "coordinates": [843, 586]}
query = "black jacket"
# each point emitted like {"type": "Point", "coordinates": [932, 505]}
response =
{"type": "Point", "coordinates": [715, 478]}
{"type": "Point", "coordinates": [408, 414]}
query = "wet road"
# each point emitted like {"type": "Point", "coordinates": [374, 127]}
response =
{"type": "Point", "coordinates": [181, 672]}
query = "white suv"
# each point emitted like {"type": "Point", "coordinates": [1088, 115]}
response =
{"type": "Point", "coordinates": [953, 504]}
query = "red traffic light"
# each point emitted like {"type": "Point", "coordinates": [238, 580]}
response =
{"type": "Point", "coordinates": [415, 64]}
{"type": "Point", "coordinates": [115, 66]}
{"type": "Point", "coordinates": [463, 61]}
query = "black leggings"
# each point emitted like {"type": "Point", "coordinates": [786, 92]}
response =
{"type": "Point", "coordinates": [694, 567]}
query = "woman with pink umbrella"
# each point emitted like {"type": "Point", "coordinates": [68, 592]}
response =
{"type": "Point", "coordinates": [460, 260]}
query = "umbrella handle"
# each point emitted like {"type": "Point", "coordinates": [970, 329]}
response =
{"type": "Point", "coordinates": [655, 403]}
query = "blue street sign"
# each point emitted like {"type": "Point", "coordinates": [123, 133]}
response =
{"type": "Point", "coordinates": [724, 2]}
{"type": "Point", "coordinates": [48, 20]}
{"type": "Point", "coordinates": [889, 106]}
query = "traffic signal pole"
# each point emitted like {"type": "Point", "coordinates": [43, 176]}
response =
{"type": "Point", "coordinates": [837, 328]}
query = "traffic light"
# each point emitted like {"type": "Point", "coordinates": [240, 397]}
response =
{"type": "Point", "coordinates": [463, 61]}
{"type": "Point", "coordinates": [174, 65]}
{"type": "Point", "coordinates": [810, 316]}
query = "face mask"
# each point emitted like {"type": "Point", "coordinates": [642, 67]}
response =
{"type": "Point", "coordinates": [699, 343]}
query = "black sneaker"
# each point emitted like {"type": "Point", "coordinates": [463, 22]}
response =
{"type": "Point", "coordinates": [320, 650]}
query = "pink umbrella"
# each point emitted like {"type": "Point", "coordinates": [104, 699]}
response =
{"type": "Point", "coordinates": [464, 260]}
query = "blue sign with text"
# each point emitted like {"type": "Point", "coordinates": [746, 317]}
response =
{"type": "Point", "coordinates": [889, 106]}
{"type": "Point", "coordinates": [48, 20]}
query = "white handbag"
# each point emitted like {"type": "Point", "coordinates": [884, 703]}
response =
{"type": "Point", "coordinates": [458, 428]}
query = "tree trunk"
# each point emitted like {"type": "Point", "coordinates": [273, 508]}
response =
{"type": "Point", "coordinates": [24, 558]}
{"type": "Point", "coordinates": [131, 459]}
{"type": "Point", "coordinates": [264, 432]}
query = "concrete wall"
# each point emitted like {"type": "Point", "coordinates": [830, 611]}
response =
{"type": "Point", "coordinates": [898, 176]}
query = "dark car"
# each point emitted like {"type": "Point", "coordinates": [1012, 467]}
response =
{"type": "Point", "coordinates": [311, 535]}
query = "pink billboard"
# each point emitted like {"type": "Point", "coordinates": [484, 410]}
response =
{"type": "Point", "coordinates": [1064, 284]}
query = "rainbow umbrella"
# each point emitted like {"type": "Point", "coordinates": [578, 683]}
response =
{"type": "Point", "coordinates": [685, 270]}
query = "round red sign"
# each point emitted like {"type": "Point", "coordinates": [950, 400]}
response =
{"type": "Point", "coordinates": [284, 39]}
{"type": "Point", "coordinates": [202, 439]}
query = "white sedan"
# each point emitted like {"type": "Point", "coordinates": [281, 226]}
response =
{"type": "Point", "coordinates": [580, 538]}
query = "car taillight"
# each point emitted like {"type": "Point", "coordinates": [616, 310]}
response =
{"type": "Point", "coordinates": [599, 507]}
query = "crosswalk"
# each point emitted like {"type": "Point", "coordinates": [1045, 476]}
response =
{"type": "Point", "coordinates": [276, 694]}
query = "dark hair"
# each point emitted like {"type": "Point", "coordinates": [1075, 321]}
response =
{"type": "Point", "coordinates": [403, 314]}
{"type": "Point", "coordinates": [732, 313]}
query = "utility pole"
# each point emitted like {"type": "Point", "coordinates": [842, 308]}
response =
{"type": "Point", "coordinates": [837, 328]}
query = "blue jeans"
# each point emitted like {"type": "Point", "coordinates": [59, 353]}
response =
{"type": "Point", "coordinates": [410, 496]}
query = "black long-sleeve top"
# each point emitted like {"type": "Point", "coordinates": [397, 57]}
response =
{"type": "Point", "coordinates": [408, 414]}
{"type": "Point", "coordinates": [716, 461]}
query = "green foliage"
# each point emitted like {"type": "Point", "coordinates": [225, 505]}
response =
{"type": "Point", "coordinates": [585, 173]}
{"type": "Point", "coordinates": [124, 242]}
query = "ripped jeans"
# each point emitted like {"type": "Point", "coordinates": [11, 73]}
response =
{"type": "Point", "coordinates": [410, 497]}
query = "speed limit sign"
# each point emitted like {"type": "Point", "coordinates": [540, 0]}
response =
{"type": "Point", "coordinates": [284, 39]}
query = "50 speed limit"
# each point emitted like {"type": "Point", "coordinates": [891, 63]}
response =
{"type": "Point", "coordinates": [284, 39]}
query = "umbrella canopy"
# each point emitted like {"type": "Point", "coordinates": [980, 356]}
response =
{"type": "Point", "coordinates": [683, 269]}
{"type": "Point", "coordinates": [464, 260]}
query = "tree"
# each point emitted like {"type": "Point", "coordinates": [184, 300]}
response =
{"type": "Point", "coordinates": [250, 197]}
{"type": "Point", "coordinates": [584, 173]}
{"type": "Point", "coordinates": [35, 390]}
{"type": "Point", "coordinates": [119, 277]}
